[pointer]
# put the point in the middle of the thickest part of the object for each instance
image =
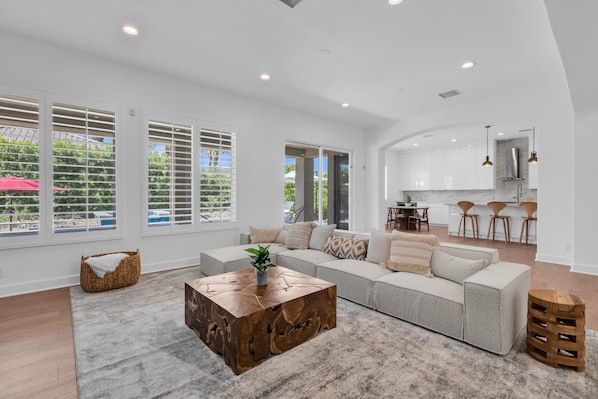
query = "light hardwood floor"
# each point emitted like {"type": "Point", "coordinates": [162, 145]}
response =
{"type": "Point", "coordinates": [36, 336]}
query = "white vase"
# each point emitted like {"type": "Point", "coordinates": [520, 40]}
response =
{"type": "Point", "coordinates": [261, 278]}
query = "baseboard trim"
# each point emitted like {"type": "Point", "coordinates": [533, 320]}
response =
{"type": "Point", "coordinates": [29, 287]}
{"type": "Point", "coordinates": [585, 269]}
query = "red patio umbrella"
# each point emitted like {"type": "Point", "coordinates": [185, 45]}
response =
{"type": "Point", "coordinates": [9, 184]}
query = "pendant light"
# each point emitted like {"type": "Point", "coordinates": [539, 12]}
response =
{"type": "Point", "coordinates": [534, 155]}
{"type": "Point", "coordinates": [487, 162]}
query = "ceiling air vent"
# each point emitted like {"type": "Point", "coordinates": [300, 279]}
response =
{"type": "Point", "coordinates": [291, 3]}
{"type": "Point", "coordinates": [450, 93]}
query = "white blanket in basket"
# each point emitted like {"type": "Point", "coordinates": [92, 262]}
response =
{"type": "Point", "coordinates": [105, 263]}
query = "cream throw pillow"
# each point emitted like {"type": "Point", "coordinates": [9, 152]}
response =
{"type": "Point", "coordinates": [263, 235]}
{"type": "Point", "coordinates": [298, 235]}
{"type": "Point", "coordinates": [454, 268]}
{"type": "Point", "coordinates": [411, 252]}
{"type": "Point", "coordinates": [379, 247]}
{"type": "Point", "coordinates": [319, 235]}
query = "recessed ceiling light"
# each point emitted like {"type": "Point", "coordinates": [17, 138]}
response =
{"type": "Point", "coordinates": [130, 30]}
{"type": "Point", "coordinates": [394, 2]}
{"type": "Point", "coordinates": [453, 140]}
{"type": "Point", "coordinates": [345, 105]}
{"type": "Point", "coordinates": [501, 134]}
{"type": "Point", "coordinates": [468, 64]}
{"type": "Point", "coordinates": [415, 144]}
{"type": "Point", "coordinates": [264, 76]}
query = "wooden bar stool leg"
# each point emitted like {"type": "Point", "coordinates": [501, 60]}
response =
{"type": "Point", "coordinates": [523, 227]}
{"type": "Point", "coordinates": [504, 227]}
{"type": "Point", "coordinates": [489, 227]}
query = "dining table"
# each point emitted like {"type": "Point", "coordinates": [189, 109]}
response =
{"type": "Point", "coordinates": [402, 216]}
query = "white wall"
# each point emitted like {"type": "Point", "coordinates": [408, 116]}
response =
{"type": "Point", "coordinates": [262, 130]}
{"type": "Point", "coordinates": [585, 214]}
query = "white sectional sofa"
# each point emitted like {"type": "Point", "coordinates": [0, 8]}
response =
{"type": "Point", "coordinates": [468, 294]}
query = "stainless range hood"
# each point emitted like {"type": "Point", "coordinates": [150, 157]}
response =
{"type": "Point", "coordinates": [512, 164]}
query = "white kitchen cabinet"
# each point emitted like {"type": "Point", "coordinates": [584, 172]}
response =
{"type": "Point", "coordinates": [486, 176]}
{"type": "Point", "coordinates": [454, 168]}
{"type": "Point", "coordinates": [404, 171]}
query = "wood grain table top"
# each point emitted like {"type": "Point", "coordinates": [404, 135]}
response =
{"type": "Point", "coordinates": [237, 292]}
{"type": "Point", "coordinates": [563, 300]}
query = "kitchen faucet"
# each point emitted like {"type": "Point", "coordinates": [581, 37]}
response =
{"type": "Point", "coordinates": [519, 193]}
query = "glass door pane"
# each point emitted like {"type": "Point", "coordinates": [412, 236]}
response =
{"type": "Point", "coordinates": [316, 185]}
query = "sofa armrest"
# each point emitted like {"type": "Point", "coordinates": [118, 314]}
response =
{"type": "Point", "coordinates": [245, 238]}
{"type": "Point", "coordinates": [495, 306]}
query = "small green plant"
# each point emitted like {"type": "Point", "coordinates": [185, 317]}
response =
{"type": "Point", "coordinates": [408, 199]}
{"type": "Point", "coordinates": [261, 257]}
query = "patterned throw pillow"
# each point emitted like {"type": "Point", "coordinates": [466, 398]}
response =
{"type": "Point", "coordinates": [332, 246]}
{"type": "Point", "coordinates": [346, 248]}
{"type": "Point", "coordinates": [411, 252]}
{"type": "Point", "coordinates": [353, 248]}
{"type": "Point", "coordinates": [298, 235]}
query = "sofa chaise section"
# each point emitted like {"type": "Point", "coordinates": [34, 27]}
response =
{"type": "Point", "coordinates": [229, 259]}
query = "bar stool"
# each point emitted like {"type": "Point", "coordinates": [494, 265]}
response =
{"type": "Point", "coordinates": [466, 206]}
{"type": "Point", "coordinates": [496, 207]}
{"type": "Point", "coordinates": [530, 208]}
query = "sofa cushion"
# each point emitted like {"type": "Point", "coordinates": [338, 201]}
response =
{"type": "Point", "coordinates": [263, 235]}
{"type": "Point", "coordinates": [303, 260]}
{"type": "Point", "coordinates": [454, 268]}
{"type": "Point", "coordinates": [379, 247]}
{"type": "Point", "coordinates": [346, 248]}
{"type": "Point", "coordinates": [411, 252]}
{"type": "Point", "coordinates": [298, 235]}
{"type": "Point", "coordinates": [319, 235]}
{"type": "Point", "coordinates": [354, 279]}
{"type": "Point", "coordinates": [434, 303]}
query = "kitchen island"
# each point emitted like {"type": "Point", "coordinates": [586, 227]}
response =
{"type": "Point", "coordinates": [481, 209]}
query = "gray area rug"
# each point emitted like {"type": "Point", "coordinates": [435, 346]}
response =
{"type": "Point", "coordinates": [133, 343]}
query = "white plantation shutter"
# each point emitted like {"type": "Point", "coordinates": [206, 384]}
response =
{"type": "Point", "coordinates": [217, 176]}
{"type": "Point", "coordinates": [84, 165]}
{"type": "Point", "coordinates": [170, 173]}
{"type": "Point", "coordinates": [19, 157]}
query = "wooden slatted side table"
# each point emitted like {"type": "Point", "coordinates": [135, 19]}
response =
{"type": "Point", "coordinates": [555, 328]}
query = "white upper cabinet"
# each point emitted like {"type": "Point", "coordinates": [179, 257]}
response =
{"type": "Point", "coordinates": [486, 176]}
{"type": "Point", "coordinates": [454, 168]}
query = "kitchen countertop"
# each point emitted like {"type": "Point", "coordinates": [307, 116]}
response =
{"type": "Point", "coordinates": [513, 204]}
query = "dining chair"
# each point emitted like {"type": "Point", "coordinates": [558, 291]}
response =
{"type": "Point", "coordinates": [419, 218]}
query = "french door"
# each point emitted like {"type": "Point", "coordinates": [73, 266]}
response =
{"type": "Point", "coordinates": [317, 185]}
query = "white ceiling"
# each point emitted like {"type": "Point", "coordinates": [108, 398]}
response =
{"type": "Point", "coordinates": [388, 62]}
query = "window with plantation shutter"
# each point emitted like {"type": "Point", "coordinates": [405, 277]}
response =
{"type": "Point", "coordinates": [83, 169]}
{"type": "Point", "coordinates": [217, 176]}
{"type": "Point", "coordinates": [19, 166]}
{"type": "Point", "coordinates": [170, 174]}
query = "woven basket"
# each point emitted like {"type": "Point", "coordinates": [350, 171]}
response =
{"type": "Point", "coordinates": [127, 273]}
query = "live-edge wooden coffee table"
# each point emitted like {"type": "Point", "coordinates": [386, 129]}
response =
{"type": "Point", "coordinates": [246, 323]}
